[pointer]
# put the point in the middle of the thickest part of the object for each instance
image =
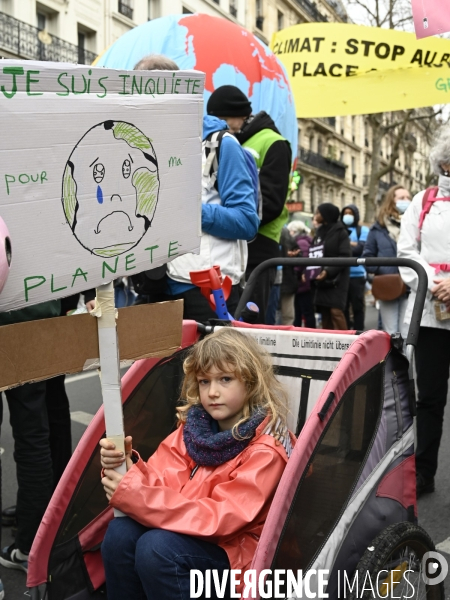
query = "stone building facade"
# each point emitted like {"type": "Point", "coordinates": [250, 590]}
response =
{"type": "Point", "coordinates": [78, 30]}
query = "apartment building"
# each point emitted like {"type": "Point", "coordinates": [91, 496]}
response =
{"type": "Point", "coordinates": [78, 30]}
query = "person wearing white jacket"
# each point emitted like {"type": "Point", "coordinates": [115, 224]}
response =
{"type": "Point", "coordinates": [424, 237]}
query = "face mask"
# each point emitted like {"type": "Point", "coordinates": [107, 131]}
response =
{"type": "Point", "coordinates": [348, 220]}
{"type": "Point", "coordinates": [402, 205]}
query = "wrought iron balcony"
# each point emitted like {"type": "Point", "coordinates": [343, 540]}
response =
{"type": "Point", "coordinates": [330, 121]}
{"type": "Point", "coordinates": [125, 8]}
{"type": "Point", "coordinates": [311, 9]}
{"type": "Point", "coordinates": [318, 161]}
{"type": "Point", "coordinates": [23, 40]}
{"type": "Point", "coordinates": [382, 185]}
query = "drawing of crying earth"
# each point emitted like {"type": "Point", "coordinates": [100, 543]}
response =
{"type": "Point", "coordinates": [110, 188]}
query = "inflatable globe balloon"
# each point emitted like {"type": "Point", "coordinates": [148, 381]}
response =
{"type": "Point", "coordinates": [226, 52]}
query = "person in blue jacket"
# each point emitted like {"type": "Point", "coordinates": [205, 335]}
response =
{"type": "Point", "coordinates": [357, 288]}
{"type": "Point", "coordinates": [229, 220]}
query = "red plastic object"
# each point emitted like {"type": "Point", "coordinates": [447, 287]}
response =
{"type": "Point", "coordinates": [211, 279]}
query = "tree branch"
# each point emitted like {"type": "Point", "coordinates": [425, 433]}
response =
{"type": "Point", "coordinates": [395, 124]}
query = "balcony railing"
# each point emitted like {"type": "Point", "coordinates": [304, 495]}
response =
{"type": "Point", "coordinates": [311, 9]}
{"type": "Point", "coordinates": [125, 8]}
{"type": "Point", "coordinates": [22, 39]}
{"type": "Point", "coordinates": [321, 162]}
{"type": "Point", "coordinates": [383, 185]}
{"type": "Point", "coordinates": [330, 121]}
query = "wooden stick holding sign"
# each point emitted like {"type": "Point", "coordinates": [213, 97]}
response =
{"type": "Point", "coordinates": [110, 370]}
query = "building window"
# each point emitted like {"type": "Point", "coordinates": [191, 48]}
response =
{"type": "Point", "coordinates": [233, 9]}
{"type": "Point", "coordinates": [126, 8]}
{"type": "Point", "coordinates": [353, 170]}
{"type": "Point", "coordinates": [341, 156]}
{"type": "Point", "coordinates": [259, 15]}
{"type": "Point", "coordinates": [280, 20]}
{"type": "Point", "coordinates": [81, 48]}
{"type": "Point", "coordinates": [47, 21]}
{"type": "Point", "coordinates": [319, 146]}
{"type": "Point", "coordinates": [366, 135]}
{"type": "Point", "coordinates": [41, 21]}
{"type": "Point", "coordinates": [154, 9]}
{"type": "Point", "coordinates": [186, 11]}
{"type": "Point", "coordinates": [86, 44]}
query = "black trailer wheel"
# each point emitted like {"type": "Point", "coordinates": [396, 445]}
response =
{"type": "Point", "coordinates": [392, 566]}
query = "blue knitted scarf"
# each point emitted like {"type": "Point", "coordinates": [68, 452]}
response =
{"type": "Point", "coordinates": [208, 446]}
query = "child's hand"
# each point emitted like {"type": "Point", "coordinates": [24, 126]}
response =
{"type": "Point", "coordinates": [110, 482]}
{"type": "Point", "coordinates": [112, 458]}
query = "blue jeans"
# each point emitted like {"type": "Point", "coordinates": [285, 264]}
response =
{"type": "Point", "coordinates": [392, 314]}
{"type": "Point", "coordinates": [142, 563]}
{"type": "Point", "coordinates": [272, 306]}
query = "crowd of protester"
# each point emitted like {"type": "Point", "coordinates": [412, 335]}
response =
{"type": "Point", "coordinates": [243, 225]}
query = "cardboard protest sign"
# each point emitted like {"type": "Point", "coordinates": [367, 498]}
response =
{"type": "Point", "coordinates": [343, 69]}
{"type": "Point", "coordinates": [37, 350]}
{"type": "Point", "coordinates": [99, 174]}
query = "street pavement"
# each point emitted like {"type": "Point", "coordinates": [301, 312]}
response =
{"type": "Point", "coordinates": [84, 393]}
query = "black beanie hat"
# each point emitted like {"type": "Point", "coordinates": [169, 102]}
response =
{"type": "Point", "coordinates": [228, 101]}
{"type": "Point", "coordinates": [330, 213]}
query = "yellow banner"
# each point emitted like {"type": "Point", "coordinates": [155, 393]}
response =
{"type": "Point", "coordinates": [339, 69]}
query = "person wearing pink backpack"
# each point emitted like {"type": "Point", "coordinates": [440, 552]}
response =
{"type": "Point", "coordinates": [424, 237]}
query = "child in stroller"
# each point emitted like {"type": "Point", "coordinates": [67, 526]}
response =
{"type": "Point", "coordinates": [185, 505]}
{"type": "Point", "coordinates": [346, 500]}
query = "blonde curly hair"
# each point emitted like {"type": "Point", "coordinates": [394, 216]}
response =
{"type": "Point", "coordinates": [229, 350]}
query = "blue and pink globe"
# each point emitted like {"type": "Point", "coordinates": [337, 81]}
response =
{"type": "Point", "coordinates": [226, 52]}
